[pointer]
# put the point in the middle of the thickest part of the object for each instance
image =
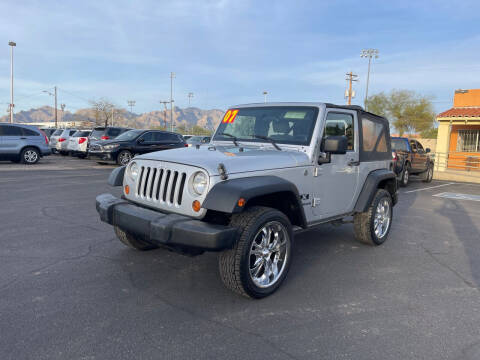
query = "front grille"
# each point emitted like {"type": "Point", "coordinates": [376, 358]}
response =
{"type": "Point", "coordinates": [161, 185]}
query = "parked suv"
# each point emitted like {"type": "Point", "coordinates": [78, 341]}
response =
{"type": "Point", "coordinates": [271, 170]}
{"type": "Point", "coordinates": [125, 146]}
{"type": "Point", "coordinates": [411, 159]}
{"type": "Point", "coordinates": [106, 133]}
{"type": "Point", "coordinates": [59, 140]}
{"type": "Point", "coordinates": [22, 143]}
{"type": "Point", "coordinates": [77, 144]}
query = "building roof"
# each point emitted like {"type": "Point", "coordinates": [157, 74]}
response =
{"type": "Point", "coordinates": [473, 111]}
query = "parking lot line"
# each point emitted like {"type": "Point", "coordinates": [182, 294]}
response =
{"type": "Point", "coordinates": [428, 188]}
{"type": "Point", "coordinates": [458, 196]}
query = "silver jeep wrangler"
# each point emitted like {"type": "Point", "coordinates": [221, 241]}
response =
{"type": "Point", "coordinates": [270, 170]}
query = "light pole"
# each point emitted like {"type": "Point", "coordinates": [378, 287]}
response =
{"type": "Point", "coordinates": [172, 76]}
{"type": "Point", "coordinates": [165, 112]}
{"type": "Point", "coordinates": [368, 53]}
{"type": "Point", "coordinates": [265, 93]}
{"type": "Point", "coordinates": [62, 106]}
{"type": "Point", "coordinates": [190, 96]}
{"type": "Point", "coordinates": [131, 103]}
{"type": "Point", "coordinates": [55, 96]}
{"type": "Point", "coordinates": [12, 44]}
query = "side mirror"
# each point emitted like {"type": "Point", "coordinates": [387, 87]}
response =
{"type": "Point", "coordinates": [335, 144]}
{"type": "Point", "coordinates": [427, 150]}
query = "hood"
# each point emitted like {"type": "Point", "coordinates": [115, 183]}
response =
{"type": "Point", "coordinates": [235, 161]}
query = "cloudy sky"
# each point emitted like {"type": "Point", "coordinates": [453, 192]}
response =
{"type": "Point", "coordinates": [227, 52]}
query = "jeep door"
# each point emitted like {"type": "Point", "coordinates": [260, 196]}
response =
{"type": "Point", "coordinates": [336, 182]}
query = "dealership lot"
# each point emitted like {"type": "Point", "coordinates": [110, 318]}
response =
{"type": "Point", "coordinates": [70, 290]}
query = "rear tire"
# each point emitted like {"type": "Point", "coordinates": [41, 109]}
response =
{"type": "Point", "coordinates": [133, 241]}
{"type": "Point", "coordinates": [427, 176]}
{"type": "Point", "coordinates": [261, 257]}
{"type": "Point", "coordinates": [373, 226]}
{"type": "Point", "coordinates": [404, 180]}
{"type": "Point", "coordinates": [29, 156]}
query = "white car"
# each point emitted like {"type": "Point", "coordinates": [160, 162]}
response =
{"type": "Point", "coordinates": [78, 142]}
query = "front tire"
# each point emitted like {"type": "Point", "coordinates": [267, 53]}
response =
{"type": "Point", "coordinates": [261, 257]}
{"type": "Point", "coordinates": [29, 156]}
{"type": "Point", "coordinates": [373, 226]}
{"type": "Point", "coordinates": [124, 157]}
{"type": "Point", "coordinates": [427, 176]}
{"type": "Point", "coordinates": [133, 241]}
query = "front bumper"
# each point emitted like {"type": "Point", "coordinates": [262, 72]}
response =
{"type": "Point", "coordinates": [164, 229]}
{"type": "Point", "coordinates": [102, 155]}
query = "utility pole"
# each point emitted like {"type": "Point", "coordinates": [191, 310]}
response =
{"type": "Point", "coordinates": [190, 96]}
{"type": "Point", "coordinates": [113, 115]}
{"type": "Point", "coordinates": [265, 93]}
{"type": "Point", "coordinates": [172, 76]}
{"type": "Point", "coordinates": [55, 96]}
{"type": "Point", "coordinates": [165, 112]}
{"type": "Point", "coordinates": [368, 53]}
{"type": "Point", "coordinates": [62, 106]}
{"type": "Point", "coordinates": [56, 118]}
{"type": "Point", "coordinates": [12, 45]}
{"type": "Point", "coordinates": [350, 93]}
{"type": "Point", "coordinates": [131, 103]}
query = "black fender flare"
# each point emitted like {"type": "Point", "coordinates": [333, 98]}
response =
{"type": "Point", "coordinates": [370, 188]}
{"type": "Point", "coordinates": [224, 196]}
{"type": "Point", "coordinates": [116, 176]}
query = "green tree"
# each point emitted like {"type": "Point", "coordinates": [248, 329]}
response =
{"type": "Point", "coordinates": [407, 110]}
{"type": "Point", "coordinates": [198, 130]}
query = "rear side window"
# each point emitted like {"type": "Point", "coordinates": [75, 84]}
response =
{"type": "Point", "coordinates": [57, 132]}
{"type": "Point", "coordinates": [113, 132]}
{"type": "Point", "coordinates": [173, 138]}
{"type": "Point", "coordinates": [28, 132]}
{"type": "Point", "coordinates": [374, 144]}
{"type": "Point", "coordinates": [338, 124]}
{"type": "Point", "coordinates": [81, 134]}
{"type": "Point", "coordinates": [71, 132]}
{"type": "Point", "coordinates": [9, 130]}
{"type": "Point", "coordinates": [97, 133]}
{"type": "Point", "coordinates": [399, 145]}
{"type": "Point", "coordinates": [149, 137]}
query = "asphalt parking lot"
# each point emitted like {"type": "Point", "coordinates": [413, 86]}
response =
{"type": "Point", "coordinates": [70, 290]}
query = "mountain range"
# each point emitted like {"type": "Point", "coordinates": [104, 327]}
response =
{"type": "Point", "coordinates": [187, 117]}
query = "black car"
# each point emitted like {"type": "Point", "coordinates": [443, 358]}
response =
{"type": "Point", "coordinates": [410, 158]}
{"type": "Point", "coordinates": [125, 146]}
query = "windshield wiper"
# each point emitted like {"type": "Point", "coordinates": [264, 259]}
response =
{"type": "Point", "coordinates": [234, 138]}
{"type": "Point", "coordinates": [268, 139]}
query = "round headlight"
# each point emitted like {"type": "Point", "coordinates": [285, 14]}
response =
{"type": "Point", "coordinates": [199, 183]}
{"type": "Point", "coordinates": [133, 170]}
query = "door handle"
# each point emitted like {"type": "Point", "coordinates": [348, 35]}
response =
{"type": "Point", "coordinates": [23, 138]}
{"type": "Point", "coordinates": [353, 163]}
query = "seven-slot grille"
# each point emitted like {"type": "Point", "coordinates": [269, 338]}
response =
{"type": "Point", "coordinates": [160, 184]}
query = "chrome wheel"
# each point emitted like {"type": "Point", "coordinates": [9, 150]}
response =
{"type": "Point", "coordinates": [430, 173]}
{"type": "Point", "coordinates": [268, 254]}
{"type": "Point", "coordinates": [30, 156]}
{"type": "Point", "coordinates": [125, 158]}
{"type": "Point", "coordinates": [381, 222]}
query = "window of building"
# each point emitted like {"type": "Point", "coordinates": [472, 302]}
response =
{"type": "Point", "coordinates": [468, 141]}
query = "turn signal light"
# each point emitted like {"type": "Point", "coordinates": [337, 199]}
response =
{"type": "Point", "coordinates": [127, 189]}
{"type": "Point", "coordinates": [241, 202]}
{"type": "Point", "coordinates": [196, 205]}
{"type": "Point", "coordinates": [82, 140]}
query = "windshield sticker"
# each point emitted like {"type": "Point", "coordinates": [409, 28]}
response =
{"type": "Point", "coordinates": [295, 115]}
{"type": "Point", "coordinates": [230, 116]}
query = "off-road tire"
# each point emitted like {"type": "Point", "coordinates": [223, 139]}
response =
{"type": "Point", "coordinates": [132, 241]}
{"type": "Point", "coordinates": [29, 156]}
{"type": "Point", "coordinates": [406, 173]}
{"type": "Point", "coordinates": [363, 225]}
{"type": "Point", "coordinates": [234, 263]}
{"type": "Point", "coordinates": [427, 176]}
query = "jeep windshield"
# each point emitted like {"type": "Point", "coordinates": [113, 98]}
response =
{"type": "Point", "coordinates": [282, 124]}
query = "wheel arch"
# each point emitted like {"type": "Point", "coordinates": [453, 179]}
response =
{"type": "Point", "coordinates": [257, 191]}
{"type": "Point", "coordinates": [377, 179]}
{"type": "Point", "coordinates": [30, 146]}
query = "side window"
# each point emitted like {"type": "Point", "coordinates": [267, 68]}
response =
{"type": "Point", "coordinates": [113, 132]}
{"type": "Point", "coordinates": [419, 147]}
{"type": "Point", "coordinates": [338, 124]}
{"type": "Point", "coordinates": [72, 132]}
{"type": "Point", "coordinates": [148, 137]}
{"type": "Point", "coordinates": [413, 146]}
{"type": "Point", "coordinates": [28, 132]}
{"type": "Point", "coordinates": [373, 136]}
{"type": "Point", "coordinates": [9, 130]}
{"type": "Point", "coordinates": [159, 137]}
